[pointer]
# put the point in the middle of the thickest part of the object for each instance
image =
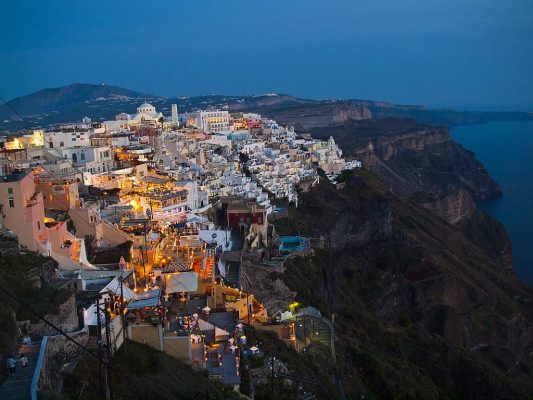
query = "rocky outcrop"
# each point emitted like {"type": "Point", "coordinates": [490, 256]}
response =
{"type": "Point", "coordinates": [347, 112]}
{"type": "Point", "coordinates": [454, 207]}
{"type": "Point", "coordinates": [315, 114]}
{"type": "Point", "coordinates": [490, 235]}
{"type": "Point", "coordinates": [9, 244]}
{"type": "Point", "coordinates": [338, 221]}
{"type": "Point", "coordinates": [66, 318]}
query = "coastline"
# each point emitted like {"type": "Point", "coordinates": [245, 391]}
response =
{"type": "Point", "coordinates": [504, 147]}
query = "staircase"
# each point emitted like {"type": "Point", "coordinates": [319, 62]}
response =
{"type": "Point", "coordinates": [17, 387]}
{"type": "Point", "coordinates": [232, 274]}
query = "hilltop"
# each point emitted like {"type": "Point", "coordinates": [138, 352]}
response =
{"type": "Point", "coordinates": [73, 102]}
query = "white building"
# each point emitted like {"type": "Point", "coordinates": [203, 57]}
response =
{"type": "Point", "coordinates": [67, 137]}
{"type": "Point", "coordinates": [91, 159]}
{"type": "Point", "coordinates": [208, 121]}
{"type": "Point", "coordinates": [146, 115]}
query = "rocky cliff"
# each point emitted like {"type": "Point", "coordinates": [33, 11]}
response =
{"type": "Point", "coordinates": [422, 311]}
{"type": "Point", "coordinates": [414, 158]}
{"type": "Point", "coordinates": [313, 114]}
{"type": "Point", "coordinates": [422, 162]}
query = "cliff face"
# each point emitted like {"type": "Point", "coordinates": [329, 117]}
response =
{"type": "Point", "coordinates": [343, 217]}
{"type": "Point", "coordinates": [308, 115]}
{"type": "Point", "coordinates": [413, 157]}
{"type": "Point", "coordinates": [420, 308]}
{"type": "Point", "coordinates": [490, 235]}
{"type": "Point", "coordinates": [423, 163]}
{"type": "Point", "coordinates": [453, 207]}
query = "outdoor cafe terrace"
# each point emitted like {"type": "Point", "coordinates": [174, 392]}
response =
{"type": "Point", "coordinates": [165, 194]}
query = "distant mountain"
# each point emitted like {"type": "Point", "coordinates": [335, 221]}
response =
{"type": "Point", "coordinates": [99, 102]}
{"type": "Point", "coordinates": [73, 102]}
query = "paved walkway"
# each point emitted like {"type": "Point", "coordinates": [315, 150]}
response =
{"type": "Point", "coordinates": [17, 387]}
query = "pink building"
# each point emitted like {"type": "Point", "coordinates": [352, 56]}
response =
{"type": "Point", "coordinates": [23, 210]}
{"type": "Point", "coordinates": [23, 213]}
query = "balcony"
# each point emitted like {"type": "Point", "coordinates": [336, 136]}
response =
{"type": "Point", "coordinates": [35, 199]}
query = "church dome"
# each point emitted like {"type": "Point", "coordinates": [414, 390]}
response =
{"type": "Point", "coordinates": [146, 108]}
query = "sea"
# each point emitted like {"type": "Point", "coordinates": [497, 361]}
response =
{"type": "Point", "coordinates": [506, 151]}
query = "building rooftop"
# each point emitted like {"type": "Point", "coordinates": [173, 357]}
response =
{"type": "Point", "coordinates": [12, 177]}
{"type": "Point", "coordinates": [98, 274]}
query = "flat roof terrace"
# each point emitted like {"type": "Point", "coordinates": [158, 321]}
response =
{"type": "Point", "coordinates": [164, 194]}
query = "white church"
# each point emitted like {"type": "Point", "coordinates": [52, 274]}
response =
{"type": "Point", "coordinates": [146, 115]}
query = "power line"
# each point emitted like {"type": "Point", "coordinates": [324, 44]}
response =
{"type": "Point", "coordinates": [12, 296]}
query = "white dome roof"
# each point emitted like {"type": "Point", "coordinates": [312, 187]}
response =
{"type": "Point", "coordinates": [146, 105]}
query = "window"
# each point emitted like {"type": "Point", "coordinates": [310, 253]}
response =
{"type": "Point", "coordinates": [51, 145]}
{"type": "Point", "coordinates": [11, 202]}
{"type": "Point", "coordinates": [82, 156]}
{"type": "Point", "coordinates": [9, 190]}
{"type": "Point", "coordinates": [61, 144]}
{"type": "Point", "coordinates": [38, 225]}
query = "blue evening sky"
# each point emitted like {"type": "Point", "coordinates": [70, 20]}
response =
{"type": "Point", "coordinates": [440, 53]}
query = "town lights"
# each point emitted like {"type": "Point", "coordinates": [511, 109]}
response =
{"type": "Point", "coordinates": [293, 306]}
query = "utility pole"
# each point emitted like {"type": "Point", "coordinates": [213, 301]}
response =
{"type": "Point", "coordinates": [145, 254]}
{"type": "Point", "coordinates": [102, 370]}
{"type": "Point", "coordinates": [248, 307]}
{"type": "Point", "coordinates": [122, 316]}
{"type": "Point", "coordinates": [272, 377]}
{"type": "Point", "coordinates": [108, 352]}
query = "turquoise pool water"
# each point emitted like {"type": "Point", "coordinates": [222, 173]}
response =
{"type": "Point", "coordinates": [292, 243]}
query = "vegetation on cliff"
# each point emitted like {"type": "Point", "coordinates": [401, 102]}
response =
{"type": "Point", "coordinates": [421, 310]}
{"type": "Point", "coordinates": [140, 372]}
{"type": "Point", "coordinates": [42, 297]}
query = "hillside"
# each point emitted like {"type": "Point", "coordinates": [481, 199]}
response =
{"type": "Point", "coordinates": [73, 102]}
{"type": "Point", "coordinates": [140, 372]}
{"type": "Point", "coordinates": [18, 275]}
{"type": "Point", "coordinates": [66, 103]}
{"type": "Point", "coordinates": [100, 102]}
{"type": "Point", "coordinates": [421, 311]}
{"type": "Point", "coordinates": [422, 162]}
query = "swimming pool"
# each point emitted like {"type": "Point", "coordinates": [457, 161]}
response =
{"type": "Point", "coordinates": [289, 244]}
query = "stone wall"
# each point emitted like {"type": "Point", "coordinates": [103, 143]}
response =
{"type": "Point", "coordinates": [61, 350]}
{"type": "Point", "coordinates": [9, 244]}
{"type": "Point", "coordinates": [177, 346]}
{"type": "Point", "coordinates": [66, 319]}
{"type": "Point", "coordinates": [146, 334]}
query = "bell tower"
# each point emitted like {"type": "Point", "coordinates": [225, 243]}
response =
{"type": "Point", "coordinates": [175, 114]}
